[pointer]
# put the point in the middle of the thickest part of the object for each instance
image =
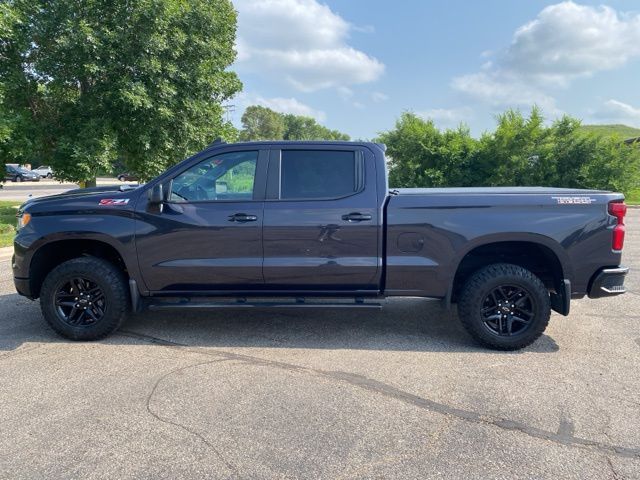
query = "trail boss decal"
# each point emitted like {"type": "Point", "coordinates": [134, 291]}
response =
{"type": "Point", "coordinates": [574, 200]}
{"type": "Point", "coordinates": [114, 202]}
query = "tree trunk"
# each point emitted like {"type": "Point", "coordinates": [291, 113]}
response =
{"type": "Point", "coordinates": [88, 183]}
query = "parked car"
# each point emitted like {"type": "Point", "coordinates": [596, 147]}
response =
{"type": "Point", "coordinates": [44, 171]}
{"type": "Point", "coordinates": [282, 224]}
{"type": "Point", "coordinates": [127, 177]}
{"type": "Point", "coordinates": [16, 173]}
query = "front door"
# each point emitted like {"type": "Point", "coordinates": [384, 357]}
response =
{"type": "Point", "coordinates": [208, 234]}
{"type": "Point", "coordinates": [321, 221]}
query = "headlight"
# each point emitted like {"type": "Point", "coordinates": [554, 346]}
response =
{"type": "Point", "coordinates": [23, 220]}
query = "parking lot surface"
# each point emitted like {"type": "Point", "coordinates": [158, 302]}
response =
{"type": "Point", "coordinates": [403, 393]}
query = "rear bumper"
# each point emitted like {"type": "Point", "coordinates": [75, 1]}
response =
{"type": "Point", "coordinates": [608, 282]}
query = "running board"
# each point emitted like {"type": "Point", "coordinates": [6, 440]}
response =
{"type": "Point", "coordinates": [244, 304]}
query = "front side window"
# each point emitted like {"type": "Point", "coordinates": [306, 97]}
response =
{"type": "Point", "coordinates": [319, 174]}
{"type": "Point", "coordinates": [229, 176]}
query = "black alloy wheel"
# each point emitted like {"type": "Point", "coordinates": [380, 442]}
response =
{"type": "Point", "coordinates": [80, 302]}
{"type": "Point", "coordinates": [507, 310]}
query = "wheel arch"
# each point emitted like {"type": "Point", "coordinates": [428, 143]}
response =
{"type": "Point", "coordinates": [540, 254]}
{"type": "Point", "coordinates": [52, 253]}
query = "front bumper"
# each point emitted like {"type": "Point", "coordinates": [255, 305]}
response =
{"type": "Point", "coordinates": [20, 276]}
{"type": "Point", "coordinates": [608, 282]}
{"type": "Point", "coordinates": [23, 287]}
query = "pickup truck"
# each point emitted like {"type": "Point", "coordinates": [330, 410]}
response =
{"type": "Point", "coordinates": [314, 224]}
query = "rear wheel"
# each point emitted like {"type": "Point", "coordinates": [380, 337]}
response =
{"type": "Point", "coordinates": [85, 298]}
{"type": "Point", "coordinates": [504, 306]}
{"type": "Point", "coordinates": [49, 175]}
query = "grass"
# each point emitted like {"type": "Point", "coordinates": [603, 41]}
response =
{"type": "Point", "coordinates": [7, 222]}
{"type": "Point", "coordinates": [623, 131]}
{"type": "Point", "coordinates": [633, 197]}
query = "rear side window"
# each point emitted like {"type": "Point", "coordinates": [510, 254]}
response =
{"type": "Point", "coordinates": [320, 174]}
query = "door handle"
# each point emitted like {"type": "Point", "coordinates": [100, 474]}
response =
{"type": "Point", "coordinates": [242, 218]}
{"type": "Point", "coordinates": [356, 217]}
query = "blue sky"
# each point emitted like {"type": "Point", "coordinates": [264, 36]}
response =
{"type": "Point", "coordinates": [356, 65]}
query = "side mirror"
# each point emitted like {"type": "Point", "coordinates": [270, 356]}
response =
{"type": "Point", "coordinates": [155, 194]}
{"type": "Point", "coordinates": [156, 198]}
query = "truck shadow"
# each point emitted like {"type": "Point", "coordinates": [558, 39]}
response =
{"type": "Point", "coordinates": [402, 325]}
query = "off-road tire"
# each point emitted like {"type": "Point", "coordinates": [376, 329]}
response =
{"type": "Point", "coordinates": [111, 281]}
{"type": "Point", "coordinates": [479, 286]}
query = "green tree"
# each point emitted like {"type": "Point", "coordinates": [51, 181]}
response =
{"type": "Point", "coordinates": [298, 127]}
{"type": "Point", "coordinates": [420, 155]}
{"type": "Point", "coordinates": [511, 155]}
{"type": "Point", "coordinates": [92, 81]}
{"type": "Point", "coordinates": [262, 123]}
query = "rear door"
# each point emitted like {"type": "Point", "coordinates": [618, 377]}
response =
{"type": "Point", "coordinates": [208, 234]}
{"type": "Point", "coordinates": [321, 220]}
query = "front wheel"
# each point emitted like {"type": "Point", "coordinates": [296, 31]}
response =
{"type": "Point", "coordinates": [18, 178]}
{"type": "Point", "coordinates": [85, 298]}
{"type": "Point", "coordinates": [504, 307]}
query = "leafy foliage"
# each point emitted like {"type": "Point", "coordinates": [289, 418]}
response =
{"type": "Point", "coordinates": [262, 123]}
{"type": "Point", "coordinates": [86, 82]}
{"type": "Point", "coordinates": [521, 151]}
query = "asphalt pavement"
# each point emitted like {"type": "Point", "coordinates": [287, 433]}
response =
{"type": "Point", "coordinates": [403, 393]}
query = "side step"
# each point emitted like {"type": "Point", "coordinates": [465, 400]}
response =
{"type": "Point", "coordinates": [243, 303]}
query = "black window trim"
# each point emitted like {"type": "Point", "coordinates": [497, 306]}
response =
{"type": "Point", "coordinates": [259, 180]}
{"type": "Point", "coordinates": [274, 174]}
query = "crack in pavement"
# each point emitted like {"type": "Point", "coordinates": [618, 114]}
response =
{"type": "Point", "coordinates": [228, 464]}
{"type": "Point", "coordinates": [614, 472]}
{"type": "Point", "coordinates": [563, 437]}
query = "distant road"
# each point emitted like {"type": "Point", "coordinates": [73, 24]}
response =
{"type": "Point", "coordinates": [22, 191]}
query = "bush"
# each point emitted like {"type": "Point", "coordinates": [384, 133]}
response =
{"type": "Point", "coordinates": [521, 151]}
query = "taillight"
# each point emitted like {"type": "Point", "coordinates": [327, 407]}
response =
{"type": "Point", "coordinates": [618, 209]}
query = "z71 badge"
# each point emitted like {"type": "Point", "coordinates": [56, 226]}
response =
{"type": "Point", "coordinates": [574, 200]}
{"type": "Point", "coordinates": [114, 202]}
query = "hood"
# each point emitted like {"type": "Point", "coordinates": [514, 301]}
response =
{"type": "Point", "coordinates": [79, 195]}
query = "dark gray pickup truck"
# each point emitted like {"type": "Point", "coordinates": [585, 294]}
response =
{"type": "Point", "coordinates": [314, 224]}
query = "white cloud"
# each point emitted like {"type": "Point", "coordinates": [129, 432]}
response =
{"type": "Point", "coordinates": [568, 40]}
{"type": "Point", "coordinates": [282, 105]}
{"type": "Point", "coordinates": [615, 111]}
{"type": "Point", "coordinates": [564, 42]}
{"type": "Point", "coordinates": [503, 89]}
{"type": "Point", "coordinates": [345, 93]}
{"type": "Point", "coordinates": [302, 42]}
{"type": "Point", "coordinates": [379, 97]}
{"type": "Point", "coordinates": [447, 117]}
